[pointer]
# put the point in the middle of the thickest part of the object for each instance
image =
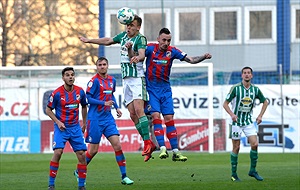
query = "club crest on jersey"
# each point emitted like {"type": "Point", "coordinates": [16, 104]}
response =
{"type": "Point", "coordinates": [51, 99]}
{"type": "Point", "coordinates": [90, 84]}
{"type": "Point", "coordinates": [77, 96]}
{"type": "Point", "coordinates": [168, 54]}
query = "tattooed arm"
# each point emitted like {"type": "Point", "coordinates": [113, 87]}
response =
{"type": "Point", "coordinates": [197, 59]}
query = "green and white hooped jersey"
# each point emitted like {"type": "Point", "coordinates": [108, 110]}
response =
{"type": "Point", "coordinates": [242, 100]}
{"type": "Point", "coordinates": [138, 42]}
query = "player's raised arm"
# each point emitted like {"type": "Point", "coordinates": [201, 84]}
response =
{"type": "Point", "coordinates": [197, 59]}
{"type": "Point", "coordinates": [100, 41]}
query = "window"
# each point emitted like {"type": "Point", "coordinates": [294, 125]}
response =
{"type": "Point", "coordinates": [260, 24]}
{"type": "Point", "coordinates": [225, 25]}
{"type": "Point", "coordinates": [153, 21]}
{"type": "Point", "coordinates": [189, 26]}
{"type": "Point", "coordinates": [295, 19]}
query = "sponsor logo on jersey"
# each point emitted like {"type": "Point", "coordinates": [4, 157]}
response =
{"type": "Point", "coordinates": [71, 106]}
{"type": "Point", "coordinates": [163, 62]}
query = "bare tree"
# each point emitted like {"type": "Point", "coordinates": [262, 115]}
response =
{"type": "Point", "coordinates": [45, 32]}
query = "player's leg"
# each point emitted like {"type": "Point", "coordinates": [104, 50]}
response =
{"type": "Point", "coordinates": [81, 168]}
{"type": "Point", "coordinates": [234, 159]}
{"type": "Point", "coordinates": [54, 165]}
{"type": "Point", "coordinates": [59, 140]}
{"type": "Point", "coordinates": [93, 136]}
{"type": "Point", "coordinates": [235, 135]}
{"type": "Point", "coordinates": [250, 132]}
{"type": "Point", "coordinates": [154, 109]}
{"type": "Point", "coordinates": [167, 110]}
{"type": "Point", "coordinates": [135, 118]}
{"type": "Point", "coordinates": [160, 135]}
{"type": "Point", "coordinates": [120, 158]}
{"type": "Point", "coordinates": [79, 147]}
{"type": "Point", "coordinates": [171, 132]}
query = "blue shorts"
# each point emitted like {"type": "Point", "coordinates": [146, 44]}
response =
{"type": "Point", "coordinates": [97, 128]}
{"type": "Point", "coordinates": [161, 100]}
{"type": "Point", "coordinates": [72, 134]}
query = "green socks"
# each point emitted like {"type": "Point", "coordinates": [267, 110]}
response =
{"type": "Point", "coordinates": [234, 162]}
{"type": "Point", "coordinates": [144, 126]}
{"type": "Point", "coordinates": [138, 127]}
{"type": "Point", "coordinates": [253, 159]}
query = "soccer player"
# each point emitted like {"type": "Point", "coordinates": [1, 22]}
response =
{"type": "Point", "coordinates": [242, 96]}
{"type": "Point", "coordinates": [159, 60]}
{"type": "Point", "coordinates": [134, 87]}
{"type": "Point", "coordinates": [100, 96]}
{"type": "Point", "coordinates": [65, 100]}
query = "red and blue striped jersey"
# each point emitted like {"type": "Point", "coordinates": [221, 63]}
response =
{"type": "Point", "coordinates": [159, 63]}
{"type": "Point", "coordinates": [99, 90]}
{"type": "Point", "coordinates": [66, 104]}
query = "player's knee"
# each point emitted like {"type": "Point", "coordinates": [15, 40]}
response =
{"type": "Point", "coordinates": [254, 145]}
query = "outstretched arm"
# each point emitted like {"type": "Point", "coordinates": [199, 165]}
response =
{"type": "Point", "coordinates": [100, 41]}
{"type": "Point", "coordinates": [197, 59]}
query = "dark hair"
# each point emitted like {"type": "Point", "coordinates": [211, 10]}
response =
{"type": "Point", "coordinates": [164, 31]}
{"type": "Point", "coordinates": [67, 69]}
{"type": "Point", "coordinates": [247, 68]}
{"type": "Point", "coordinates": [101, 59]}
{"type": "Point", "coordinates": [138, 19]}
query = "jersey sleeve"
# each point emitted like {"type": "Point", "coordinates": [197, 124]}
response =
{"type": "Point", "coordinates": [260, 96]}
{"type": "Point", "coordinates": [142, 43]}
{"type": "Point", "coordinates": [92, 87]}
{"type": "Point", "coordinates": [178, 54]}
{"type": "Point", "coordinates": [83, 100]}
{"type": "Point", "coordinates": [117, 38]}
{"type": "Point", "coordinates": [52, 100]}
{"type": "Point", "coordinates": [231, 94]}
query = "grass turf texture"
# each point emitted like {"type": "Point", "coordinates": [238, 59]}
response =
{"type": "Point", "coordinates": [201, 171]}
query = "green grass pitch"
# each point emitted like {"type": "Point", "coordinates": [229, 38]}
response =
{"type": "Point", "coordinates": [201, 171]}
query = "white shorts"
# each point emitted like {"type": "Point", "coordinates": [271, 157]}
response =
{"type": "Point", "coordinates": [134, 88]}
{"type": "Point", "coordinates": [236, 131]}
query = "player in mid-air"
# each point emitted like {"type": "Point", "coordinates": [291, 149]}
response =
{"type": "Point", "coordinates": [159, 60]}
{"type": "Point", "coordinates": [65, 101]}
{"type": "Point", "coordinates": [242, 96]}
{"type": "Point", "coordinates": [134, 88]}
{"type": "Point", "coordinates": [100, 96]}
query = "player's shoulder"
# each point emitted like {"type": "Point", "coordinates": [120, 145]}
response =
{"type": "Point", "coordinates": [59, 89]}
{"type": "Point", "coordinates": [237, 85]}
{"type": "Point", "coordinates": [110, 77]}
{"type": "Point", "coordinates": [152, 45]}
{"type": "Point", "coordinates": [77, 87]}
{"type": "Point", "coordinates": [95, 77]}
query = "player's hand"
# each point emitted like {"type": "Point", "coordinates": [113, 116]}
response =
{"type": "Point", "coordinates": [207, 56]}
{"type": "Point", "coordinates": [119, 113]}
{"type": "Point", "coordinates": [83, 39]}
{"type": "Point", "coordinates": [61, 126]}
{"type": "Point", "coordinates": [128, 45]}
{"type": "Point", "coordinates": [109, 103]}
{"type": "Point", "coordinates": [134, 59]}
{"type": "Point", "coordinates": [258, 120]}
{"type": "Point", "coordinates": [234, 118]}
